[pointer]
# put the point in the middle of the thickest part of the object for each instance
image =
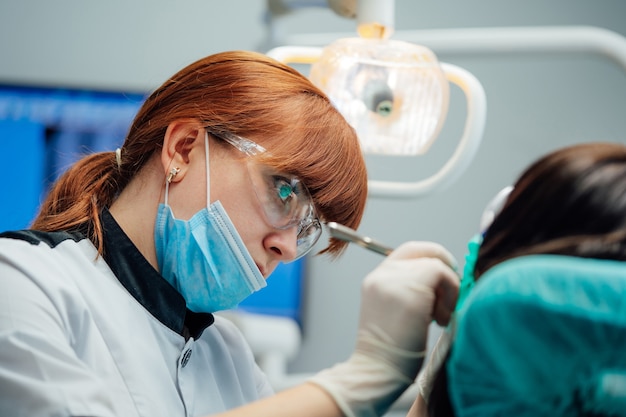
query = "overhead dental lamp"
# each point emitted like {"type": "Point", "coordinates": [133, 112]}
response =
{"type": "Point", "coordinates": [394, 93]}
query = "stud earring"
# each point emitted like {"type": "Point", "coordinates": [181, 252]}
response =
{"type": "Point", "coordinates": [173, 173]}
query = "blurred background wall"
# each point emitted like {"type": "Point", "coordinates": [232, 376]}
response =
{"type": "Point", "coordinates": [536, 103]}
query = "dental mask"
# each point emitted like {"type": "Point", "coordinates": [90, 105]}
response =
{"type": "Point", "coordinates": [493, 208]}
{"type": "Point", "coordinates": [204, 257]}
{"type": "Point", "coordinates": [468, 281]}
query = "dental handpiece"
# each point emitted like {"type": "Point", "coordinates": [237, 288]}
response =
{"type": "Point", "coordinates": [342, 232]}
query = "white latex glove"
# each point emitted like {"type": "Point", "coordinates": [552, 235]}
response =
{"type": "Point", "coordinates": [437, 356]}
{"type": "Point", "coordinates": [412, 286]}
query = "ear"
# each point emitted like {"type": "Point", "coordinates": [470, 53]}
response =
{"type": "Point", "coordinates": [180, 138]}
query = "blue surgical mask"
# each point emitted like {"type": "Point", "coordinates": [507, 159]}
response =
{"type": "Point", "coordinates": [204, 257]}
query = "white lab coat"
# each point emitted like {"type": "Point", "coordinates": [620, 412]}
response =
{"type": "Point", "coordinates": [77, 341]}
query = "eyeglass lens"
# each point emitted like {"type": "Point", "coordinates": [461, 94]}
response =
{"type": "Point", "coordinates": [285, 200]}
{"type": "Point", "coordinates": [286, 203]}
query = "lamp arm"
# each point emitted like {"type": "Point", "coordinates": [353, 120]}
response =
{"type": "Point", "coordinates": [533, 39]}
{"type": "Point", "coordinates": [501, 40]}
{"type": "Point", "coordinates": [464, 152]}
{"type": "Point", "coordinates": [361, 10]}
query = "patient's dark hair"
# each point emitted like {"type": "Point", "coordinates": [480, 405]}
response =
{"type": "Point", "coordinates": [569, 202]}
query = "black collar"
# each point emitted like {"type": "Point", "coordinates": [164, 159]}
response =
{"type": "Point", "coordinates": [147, 286]}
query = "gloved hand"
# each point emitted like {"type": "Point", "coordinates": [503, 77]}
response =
{"type": "Point", "coordinates": [412, 286]}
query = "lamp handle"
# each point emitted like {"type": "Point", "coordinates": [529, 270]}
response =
{"type": "Point", "coordinates": [465, 150]}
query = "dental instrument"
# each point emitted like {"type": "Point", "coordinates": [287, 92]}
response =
{"type": "Point", "coordinates": [342, 232]}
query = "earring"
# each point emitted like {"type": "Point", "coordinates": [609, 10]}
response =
{"type": "Point", "coordinates": [173, 173]}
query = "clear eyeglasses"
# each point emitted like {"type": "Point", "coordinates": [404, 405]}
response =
{"type": "Point", "coordinates": [285, 200]}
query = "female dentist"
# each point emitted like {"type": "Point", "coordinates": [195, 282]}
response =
{"type": "Point", "coordinates": [230, 167]}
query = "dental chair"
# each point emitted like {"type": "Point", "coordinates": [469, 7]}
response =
{"type": "Point", "coordinates": [542, 335]}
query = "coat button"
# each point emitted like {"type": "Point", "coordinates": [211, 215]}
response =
{"type": "Point", "coordinates": [185, 358]}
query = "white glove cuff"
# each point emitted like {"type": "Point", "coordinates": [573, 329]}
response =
{"type": "Point", "coordinates": [406, 362]}
{"type": "Point", "coordinates": [363, 386]}
{"type": "Point", "coordinates": [436, 359]}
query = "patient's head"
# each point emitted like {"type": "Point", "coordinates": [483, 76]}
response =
{"type": "Point", "coordinates": [570, 202]}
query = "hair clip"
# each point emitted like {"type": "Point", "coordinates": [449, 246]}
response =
{"type": "Point", "coordinates": [118, 157]}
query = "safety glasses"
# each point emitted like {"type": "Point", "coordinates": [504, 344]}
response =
{"type": "Point", "coordinates": [285, 200]}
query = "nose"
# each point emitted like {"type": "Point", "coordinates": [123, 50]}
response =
{"type": "Point", "coordinates": [283, 243]}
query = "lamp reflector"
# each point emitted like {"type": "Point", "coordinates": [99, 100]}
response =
{"type": "Point", "coordinates": [393, 93]}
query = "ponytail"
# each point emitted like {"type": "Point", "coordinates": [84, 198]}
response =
{"type": "Point", "coordinates": [79, 195]}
